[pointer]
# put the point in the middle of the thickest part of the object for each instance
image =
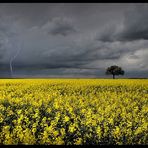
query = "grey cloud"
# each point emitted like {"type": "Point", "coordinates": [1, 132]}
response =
{"type": "Point", "coordinates": [59, 39]}
{"type": "Point", "coordinates": [4, 45]}
{"type": "Point", "coordinates": [133, 27]}
{"type": "Point", "coordinates": [8, 32]}
{"type": "Point", "coordinates": [87, 53]}
{"type": "Point", "coordinates": [60, 26]}
{"type": "Point", "coordinates": [28, 14]}
{"type": "Point", "coordinates": [135, 24]}
{"type": "Point", "coordinates": [69, 57]}
{"type": "Point", "coordinates": [107, 34]}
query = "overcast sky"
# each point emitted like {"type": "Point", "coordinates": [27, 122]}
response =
{"type": "Point", "coordinates": [71, 40]}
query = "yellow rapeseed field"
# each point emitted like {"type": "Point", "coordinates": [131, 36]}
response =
{"type": "Point", "coordinates": [73, 111]}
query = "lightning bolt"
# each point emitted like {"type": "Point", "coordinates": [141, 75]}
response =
{"type": "Point", "coordinates": [13, 58]}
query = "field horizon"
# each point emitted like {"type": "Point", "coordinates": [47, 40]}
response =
{"type": "Point", "coordinates": [71, 78]}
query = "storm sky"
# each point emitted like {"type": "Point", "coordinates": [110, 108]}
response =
{"type": "Point", "coordinates": [73, 39]}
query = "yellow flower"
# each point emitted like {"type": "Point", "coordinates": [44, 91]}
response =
{"type": "Point", "coordinates": [78, 141]}
{"type": "Point", "coordinates": [72, 128]}
{"type": "Point", "coordinates": [66, 119]}
{"type": "Point", "coordinates": [50, 111]}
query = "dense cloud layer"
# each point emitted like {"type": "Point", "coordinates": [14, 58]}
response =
{"type": "Point", "coordinates": [133, 27]}
{"type": "Point", "coordinates": [76, 40]}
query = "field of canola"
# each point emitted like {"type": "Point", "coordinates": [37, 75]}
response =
{"type": "Point", "coordinates": [73, 111]}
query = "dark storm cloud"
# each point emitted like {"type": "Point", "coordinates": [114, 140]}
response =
{"type": "Point", "coordinates": [4, 41]}
{"type": "Point", "coordinates": [62, 39]}
{"type": "Point", "coordinates": [27, 14]}
{"type": "Point", "coordinates": [2, 49]}
{"type": "Point", "coordinates": [60, 26]}
{"type": "Point", "coordinates": [133, 27]}
{"type": "Point", "coordinates": [135, 24]}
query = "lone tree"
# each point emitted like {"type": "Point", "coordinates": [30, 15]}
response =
{"type": "Point", "coordinates": [114, 70]}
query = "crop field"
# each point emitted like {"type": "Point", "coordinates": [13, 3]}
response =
{"type": "Point", "coordinates": [73, 111]}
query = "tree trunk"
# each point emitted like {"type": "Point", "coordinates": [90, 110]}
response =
{"type": "Point", "coordinates": [113, 76]}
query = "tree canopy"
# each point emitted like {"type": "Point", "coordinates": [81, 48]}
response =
{"type": "Point", "coordinates": [114, 70]}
